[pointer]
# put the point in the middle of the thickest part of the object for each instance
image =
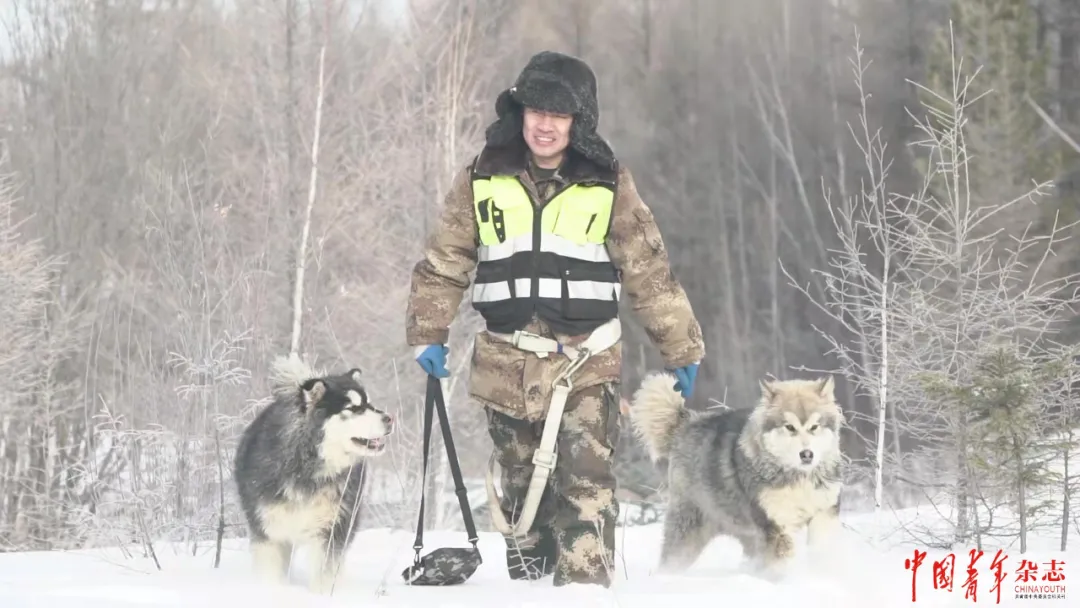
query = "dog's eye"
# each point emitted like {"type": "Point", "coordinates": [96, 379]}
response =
{"type": "Point", "coordinates": [814, 428]}
{"type": "Point", "coordinates": [790, 428]}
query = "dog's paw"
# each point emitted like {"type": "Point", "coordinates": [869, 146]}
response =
{"type": "Point", "coordinates": [271, 561]}
{"type": "Point", "coordinates": [781, 547]}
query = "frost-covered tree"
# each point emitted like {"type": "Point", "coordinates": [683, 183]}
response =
{"type": "Point", "coordinates": [998, 39]}
{"type": "Point", "coordinates": [1000, 245]}
{"type": "Point", "coordinates": [27, 468]}
{"type": "Point", "coordinates": [920, 288]}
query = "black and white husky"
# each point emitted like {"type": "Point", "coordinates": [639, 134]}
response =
{"type": "Point", "coordinates": [299, 469]}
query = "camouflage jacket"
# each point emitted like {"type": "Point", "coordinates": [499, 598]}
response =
{"type": "Point", "coordinates": [519, 383]}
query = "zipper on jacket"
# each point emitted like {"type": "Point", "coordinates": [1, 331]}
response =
{"type": "Point", "coordinates": [538, 211]}
{"type": "Point", "coordinates": [537, 225]}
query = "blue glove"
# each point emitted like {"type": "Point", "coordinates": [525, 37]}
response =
{"type": "Point", "coordinates": [433, 361]}
{"type": "Point", "coordinates": [686, 376]}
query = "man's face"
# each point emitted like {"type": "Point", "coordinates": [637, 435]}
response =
{"type": "Point", "coordinates": [547, 135]}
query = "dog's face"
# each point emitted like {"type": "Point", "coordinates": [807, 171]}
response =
{"type": "Point", "coordinates": [352, 427]}
{"type": "Point", "coordinates": [800, 422]}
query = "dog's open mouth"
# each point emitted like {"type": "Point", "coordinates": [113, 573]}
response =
{"type": "Point", "coordinates": [378, 443]}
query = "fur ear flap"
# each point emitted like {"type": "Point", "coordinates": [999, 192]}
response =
{"type": "Point", "coordinates": [312, 391]}
{"type": "Point", "coordinates": [826, 386]}
{"type": "Point", "coordinates": [768, 391]}
{"type": "Point", "coordinates": [355, 375]}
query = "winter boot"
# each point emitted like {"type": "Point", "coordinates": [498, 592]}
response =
{"type": "Point", "coordinates": [532, 558]}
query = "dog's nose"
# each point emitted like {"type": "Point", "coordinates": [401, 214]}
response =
{"type": "Point", "coordinates": [806, 456]}
{"type": "Point", "coordinates": [387, 419]}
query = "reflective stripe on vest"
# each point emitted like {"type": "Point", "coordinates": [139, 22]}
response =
{"type": "Point", "coordinates": [554, 264]}
{"type": "Point", "coordinates": [549, 288]}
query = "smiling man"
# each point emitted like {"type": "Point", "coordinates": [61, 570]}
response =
{"type": "Point", "coordinates": [556, 231]}
{"type": "Point", "coordinates": [548, 135]}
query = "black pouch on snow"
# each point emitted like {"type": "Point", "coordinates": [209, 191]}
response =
{"type": "Point", "coordinates": [446, 565]}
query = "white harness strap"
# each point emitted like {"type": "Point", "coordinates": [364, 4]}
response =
{"type": "Point", "coordinates": [601, 339]}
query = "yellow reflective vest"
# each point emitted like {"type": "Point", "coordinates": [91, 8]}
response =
{"type": "Point", "coordinates": [551, 262]}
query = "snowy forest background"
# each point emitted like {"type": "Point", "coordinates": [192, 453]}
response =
{"type": "Point", "coordinates": [835, 196]}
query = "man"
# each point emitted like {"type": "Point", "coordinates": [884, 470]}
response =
{"type": "Point", "coordinates": [555, 230]}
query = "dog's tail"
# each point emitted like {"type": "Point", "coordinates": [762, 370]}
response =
{"type": "Point", "coordinates": [656, 413]}
{"type": "Point", "coordinates": [287, 374]}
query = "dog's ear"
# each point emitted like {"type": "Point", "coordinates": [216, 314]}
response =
{"type": "Point", "coordinates": [826, 386]}
{"type": "Point", "coordinates": [312, 391]}
{"type": "Point", "coordinates": [768, 391]}
{"type": "Point", "coordinates": [355, 375]}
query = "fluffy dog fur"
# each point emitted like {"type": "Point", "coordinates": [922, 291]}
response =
{"type": "Point", "coordinates": [299, 469]}
{"type": "Point", "coordinates": [756, 474]}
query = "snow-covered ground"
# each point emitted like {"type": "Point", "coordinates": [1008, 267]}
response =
{"type": "Point", "coordinates": [860, 572]}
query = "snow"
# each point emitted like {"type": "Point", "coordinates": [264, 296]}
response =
{"type": "Point", "coordinates": [855, 572]}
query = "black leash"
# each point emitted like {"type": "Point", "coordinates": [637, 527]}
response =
{"type": "Point", "coordinates": [445, 566]}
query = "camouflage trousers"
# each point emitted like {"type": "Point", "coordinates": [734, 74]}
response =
{"type": "Point", "coordinates": [573, 533]}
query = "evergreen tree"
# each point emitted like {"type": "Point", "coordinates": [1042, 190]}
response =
{"type": "Point", "coordinates": [1010, 440]}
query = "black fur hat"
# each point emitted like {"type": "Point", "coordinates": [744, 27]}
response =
{"type": "Point", "coordinates": [554, 82]}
